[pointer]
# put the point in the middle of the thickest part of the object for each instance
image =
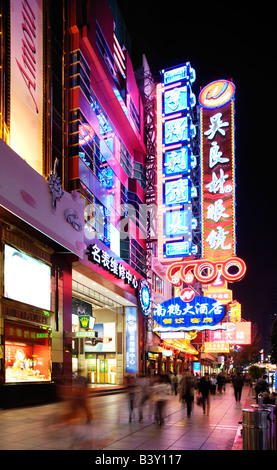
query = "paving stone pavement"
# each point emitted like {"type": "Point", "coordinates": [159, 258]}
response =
{"type": "Point", "coordinates": [36, 428]}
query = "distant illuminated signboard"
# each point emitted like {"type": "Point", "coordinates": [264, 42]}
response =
{"type": "Point", "coordinates": [235, 333]}
{"type": "Point", "coordinates": [201, 313]}
{"type": "Point", "coordinates": [220, 347]}
{"type": "Point", "coordinates": [175, 132]}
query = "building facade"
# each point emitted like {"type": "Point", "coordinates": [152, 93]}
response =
{"type": "Point", "coordinates": [77, 286]}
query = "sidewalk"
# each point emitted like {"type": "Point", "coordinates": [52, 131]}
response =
{"type": "Point", "coordinates": [33, 427]}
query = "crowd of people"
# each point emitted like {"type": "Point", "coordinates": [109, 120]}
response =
{"type": "Point", "coordinates": [150, 394]}
{"type": "Point", "coordinates": [153, 392]}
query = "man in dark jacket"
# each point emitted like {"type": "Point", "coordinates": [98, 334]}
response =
{"type": "Point", "coordinates": [261, 386]}
{"type": "Point", "coordinates": [238, 384]}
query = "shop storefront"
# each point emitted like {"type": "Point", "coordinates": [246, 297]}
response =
{"type": "Point", "coordinates": [95, 338]}
{"type": "Point", "coordinates": [105, 332]}
{"type": "Point", "coordinates": [33, 282]}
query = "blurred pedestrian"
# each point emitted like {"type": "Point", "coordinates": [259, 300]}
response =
{"type": "Point", "coordinates": [238, 383]}
{"type": "Point", "coordinates": [220, 382]}
{"type": "Point", "coordinates": [175, 382]}
{"type": "Point", "coordinates": [80, 396]}
{"type": "Point", "coordinates": [213, 384]}
{"type": "Point", "coordinates": [142, 393]}
{"type": "Point", "coordinates": [205, 390]}
{"type": "Point", "coordinates": [131, 387]}
{"type": "Point", "coordinates": [161, 393]}
{"type": "Point", "coordinates": [261, 386]}
{"type": "Point", "coordinates": [187, 387]}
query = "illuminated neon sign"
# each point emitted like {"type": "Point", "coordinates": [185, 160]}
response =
{"type": "Point", "coordinates": [217, 154]}
{"type": "Point", "coordinates": [217, 94]}
{"type": "Point", "coordinates": [131, 326]}
{"type": "Point", "coordinates": [177, 161]}
{"type": "Point", "coordinates": [235, 333]}
{"type": "Point", "coordinates": [201, 313]}
{"type": "Point", "coordinates": [86, 134]}
{"type": "Point", "coordinates": [175, 132]}
{"type": "Point", "coordinates": [206, 271]}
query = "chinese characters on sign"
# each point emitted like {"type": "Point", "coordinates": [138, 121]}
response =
{"type": "Point", "coordinates": [102, 258]}
{"type": "Point", "coordinates": [175, 133]}
{"type": "Point", "coordinates": [235, 333]}
{"type": "Point", "coordinates": [217, 161]}
{"type": "Point", "coordinates": [131, 340]}
{"type": "Point", "coordinates": [201, 313]}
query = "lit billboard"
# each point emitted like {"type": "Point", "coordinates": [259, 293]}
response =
{"type": "Point", "coordinates": [175, 131]}
{"type": "Point", "coordinates": [27, 81]}
{"type": "Point", "coordinates": [235, 333]}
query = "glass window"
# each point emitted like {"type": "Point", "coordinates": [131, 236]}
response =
{"type": "Point", "coordinates": [27, 353]}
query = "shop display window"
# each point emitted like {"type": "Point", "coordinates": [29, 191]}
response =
{"type": "Point", "coordinates": [27, 353]}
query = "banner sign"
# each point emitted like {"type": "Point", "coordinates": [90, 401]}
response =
{"type": "Point", "coordinates": [27, 80]}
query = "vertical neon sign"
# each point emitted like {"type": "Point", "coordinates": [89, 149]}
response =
{"type": "Point", "coordinates": [218, 170]}
{"type": "Point", "coordinates": [218, 220]}
{"type": "Point", "coordinates": [131, 340]}
{"type": "Point", "coordinates": [174, 159]}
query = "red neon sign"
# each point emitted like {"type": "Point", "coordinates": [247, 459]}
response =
{"type": "Point", "coordinates": [206, 271]}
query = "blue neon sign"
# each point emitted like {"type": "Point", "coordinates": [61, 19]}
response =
{"type": "Point", "coordinates": [177, 191]}
{"type": "Point", "coordinates": [176, 130]}
{"type": "Point", "coordinates": [177, 223]}
{"type": "Point", "coordinates": [177, 249]}
{"type": "Point", "coordinates": [131, 340]}
{"type": "Point", "coordinates": [177, 161]}
{"type": "Point", "coordinates": [178, 74]}
{"type": "Point", "coordinates": [176, 100]}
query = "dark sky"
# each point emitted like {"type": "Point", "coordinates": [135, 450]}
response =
{"type": "Point", "coordinates": [231, 42]}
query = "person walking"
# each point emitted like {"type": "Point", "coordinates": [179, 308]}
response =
{"type": "Point", "coordinates": [174, 382]}
{"type": "Point", "coordinates": [220, 380]}
{"type": "Point", "coordinates": [187, 387]}
{"type": "Point", "coordinates": [261, 386]}
{"type": "Point", "coordinates": [213, 383]}
{"type": "Point", "coordinates": [205, 391]}
{"type": "Point", "coordinates": [238, 384]}
{"type": "Point", "coordinates": [161, 393]}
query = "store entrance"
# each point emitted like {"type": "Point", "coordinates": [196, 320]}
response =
{"type": "Point", "coordinates": [101, 368]}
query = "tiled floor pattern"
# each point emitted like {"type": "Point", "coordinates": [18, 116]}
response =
{"type": "Point", "coordinates": [35, 428]}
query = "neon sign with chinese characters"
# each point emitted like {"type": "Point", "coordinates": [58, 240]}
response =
{"type": "Point", "coordinates": [175, 132]}
{"type": "Point", "coordinates": [201, 313]}
{"type": "Point", "coordinates": [103, 259]}
{"type": "Point", "coordinates": [217, 153]}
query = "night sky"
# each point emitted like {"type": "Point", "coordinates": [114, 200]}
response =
{"type": "Point", "coordinates": [235, 44]}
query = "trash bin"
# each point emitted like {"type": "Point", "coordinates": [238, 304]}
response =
{"type": "Point", "coordinates": [271, 426]}
{"type": "Point", "coordinates": [255, 429]}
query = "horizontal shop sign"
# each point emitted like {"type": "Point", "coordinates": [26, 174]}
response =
{"type": "Point", "coordinates": [81, 334]}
